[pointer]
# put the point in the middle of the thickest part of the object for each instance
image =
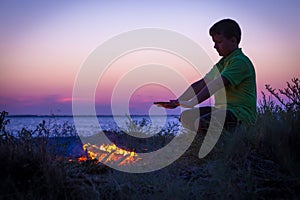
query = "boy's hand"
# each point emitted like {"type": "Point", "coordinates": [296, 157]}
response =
{"type": "Point", "coordinates": [170, 105]}
{"type": "Point", "coordinates": [176, 102]}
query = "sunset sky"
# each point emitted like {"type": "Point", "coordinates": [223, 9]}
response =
{"type": "Point", "coordinates": [45, 43]}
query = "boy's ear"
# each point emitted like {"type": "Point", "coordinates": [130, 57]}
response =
{"type": "Point", "coordinates": [234, 40]}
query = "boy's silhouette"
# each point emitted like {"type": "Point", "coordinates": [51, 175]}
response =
{"type": "Point", "coordinates": [234, 72]}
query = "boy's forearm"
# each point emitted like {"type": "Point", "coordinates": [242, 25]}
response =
{"type": "Point", "coordinates": [192, 90]}
{"type": "Point", "coordinates": [207, 91]}
{"type": "Point", "coordinates": [210, 89]}
{"type": "Point", "coordinates": [202, 95]}
{"type": "Point", "coordinates": [187, 95]}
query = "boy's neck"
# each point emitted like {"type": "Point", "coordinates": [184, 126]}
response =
{"type": "Point", "coordinates": [234, 49]}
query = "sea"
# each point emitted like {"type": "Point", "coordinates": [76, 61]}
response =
{"type": "Point", "coordinates": [90, 125]}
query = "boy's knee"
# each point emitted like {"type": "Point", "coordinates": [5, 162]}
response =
{"type": "Point", "coordinates": [188, 120]}
{"type": "Point", "coordinates": [185, 117]}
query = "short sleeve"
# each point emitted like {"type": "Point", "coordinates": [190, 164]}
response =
{"type": "Point", "coordinates": [236, 72]}
{"type": "Point", "coordinates": [212, 73]}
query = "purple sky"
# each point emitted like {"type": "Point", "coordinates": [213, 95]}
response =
{"type": "Point", "coordinates": [44, 43]}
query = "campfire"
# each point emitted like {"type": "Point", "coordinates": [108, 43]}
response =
{"type": "Point", "coordinates": [109, 153]}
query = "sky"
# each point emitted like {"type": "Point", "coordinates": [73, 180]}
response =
{"type": "Point", "coordinates": [45, 43]}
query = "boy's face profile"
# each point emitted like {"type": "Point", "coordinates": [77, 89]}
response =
{"type": "Point", "coordinates": [223, 45]}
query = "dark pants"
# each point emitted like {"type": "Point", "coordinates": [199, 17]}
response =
{"type": "Point", "coordinates": [189, 117]}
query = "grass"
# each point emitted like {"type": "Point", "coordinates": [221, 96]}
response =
{"type": "Point", "coordinates": [259, 162]}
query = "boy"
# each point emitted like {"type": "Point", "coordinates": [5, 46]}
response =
{"type": "Point", "coordinates": [234, 72]}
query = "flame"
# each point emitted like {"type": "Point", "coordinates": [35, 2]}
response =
{"type": "Point", "coordinates": [109, 154]}
{"type": "Point", "coordinates": [81, 159]}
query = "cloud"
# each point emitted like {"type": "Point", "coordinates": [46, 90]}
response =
{"type": "Point", "coordinates": [50, 104]}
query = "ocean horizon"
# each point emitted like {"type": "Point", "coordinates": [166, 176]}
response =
{"type": "Point", "coordinates": [115, 123]}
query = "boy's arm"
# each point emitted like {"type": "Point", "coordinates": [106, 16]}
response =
{"type": "Point", "coordinates": [192, 90]}
{"type": "Point", "coordinates": [206, 92]}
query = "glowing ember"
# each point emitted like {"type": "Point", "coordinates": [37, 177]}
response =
{"type": "Point", "coordinates": [109, 153]}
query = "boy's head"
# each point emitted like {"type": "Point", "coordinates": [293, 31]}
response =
{"type": "Point", "coordinates": [227, 27]}
{"type": "Point", "coordinates": [226, 35]}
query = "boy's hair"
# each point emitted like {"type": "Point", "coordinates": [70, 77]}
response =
{"type": "Point", "coordinates": [227, 27]}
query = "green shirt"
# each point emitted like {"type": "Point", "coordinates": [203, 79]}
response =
{"type": "Point", "coordinates": [241, 92]}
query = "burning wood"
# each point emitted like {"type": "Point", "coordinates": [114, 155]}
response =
{"type": "Point", "coordinates": [109, 153]}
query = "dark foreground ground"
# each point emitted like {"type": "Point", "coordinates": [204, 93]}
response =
{"type": "Point", "coordinates": [236, 169]}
